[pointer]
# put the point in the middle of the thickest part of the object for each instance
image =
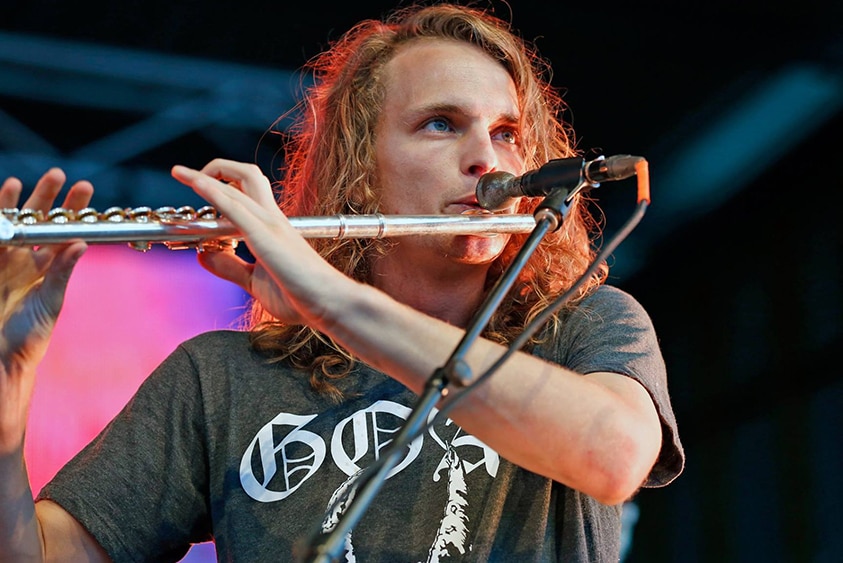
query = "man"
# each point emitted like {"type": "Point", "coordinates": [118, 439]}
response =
{"type": "Point", "coordinates": [246, 437]}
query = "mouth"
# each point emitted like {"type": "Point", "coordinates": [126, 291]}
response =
{"type": "Point", "coordinates": [470, 206]}
{"type": "Point", "coordinates": [475, 211]}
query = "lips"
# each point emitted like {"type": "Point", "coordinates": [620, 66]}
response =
{"type": "Point", "coordinates": [476, 211]}
{"type": "Point", "coordinates": [469, 206]}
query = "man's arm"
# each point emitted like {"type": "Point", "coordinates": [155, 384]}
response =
{"type": "Point", "coordinates": [33, 282]}
{"type": "Point", "coordinates": [64, 538]}
{"type": "Point", "coordinates": [38, 532]}
{"type": "Point", "coordinates": [599, 433]}
{"type": "Point", "coordinates": [20, 538]}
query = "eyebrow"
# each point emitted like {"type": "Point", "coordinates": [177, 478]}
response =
{"type": "Point", "coordinates": [448, 108]}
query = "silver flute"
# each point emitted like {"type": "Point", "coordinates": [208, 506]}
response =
{"type": "Point", "coordinates": [204, 229]}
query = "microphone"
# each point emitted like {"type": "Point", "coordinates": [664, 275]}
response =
{"type": "Point", "coordinates": [496, 188]}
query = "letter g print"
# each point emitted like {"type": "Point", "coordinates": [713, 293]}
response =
{"type": "Point", "coordinates": [301, 455]}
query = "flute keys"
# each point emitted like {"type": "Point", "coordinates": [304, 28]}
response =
{"type": "Point", "coordinates": [10, 213]}
{"type": "Point", "coordinates": [30, 216]}
{"type": "Point", "coordinates": [114, 215]}
{"type": "Point", "coordinates": [140, 245]}
{"type": "Point", "coordinates": [184, 213]}
{"type": "Point", "coordinates": [207, 213]}
{"type": "Point", "coordinates": [140, 214]}
{"type": "Point", "coordinates": [165, 213]}
{"type": "Point", "coordinates": [216, 245]}
{"type": "Point", "coordinates": [60, 215]}
{"type": "Point", "coordinates": [88, 215]}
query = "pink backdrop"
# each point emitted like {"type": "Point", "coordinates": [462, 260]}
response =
{"type": "Point", "coordinates": [125, 312]}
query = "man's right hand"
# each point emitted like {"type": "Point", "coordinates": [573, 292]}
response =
{"type": "Point", "coordinates": [32, 285]}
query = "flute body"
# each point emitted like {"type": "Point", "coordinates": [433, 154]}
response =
{"type": "Point", "coordinates": [204, 230]}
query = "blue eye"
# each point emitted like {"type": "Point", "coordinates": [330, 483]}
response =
{"type": "Point", "coordinates": [439, 124]}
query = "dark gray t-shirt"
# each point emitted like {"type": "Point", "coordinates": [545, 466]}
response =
{"type": "Point", "coordinates": [220, 444]}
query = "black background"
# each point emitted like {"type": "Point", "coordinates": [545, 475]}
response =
{"type": "Point", "coordinates": [743, 283]}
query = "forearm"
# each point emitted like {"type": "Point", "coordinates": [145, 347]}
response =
{"type": "Point", "coordinates": [19, 532]}
{"type": "Point", "coordinates": [599, 435]}
{"type": "Point", "coordinates": [20, 538]}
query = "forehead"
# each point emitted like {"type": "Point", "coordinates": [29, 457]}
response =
{"type": "Point", "coordinates": [438, 71]}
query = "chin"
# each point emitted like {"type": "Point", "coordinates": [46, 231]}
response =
{"type": "Point", "coordinates": [469, 249]}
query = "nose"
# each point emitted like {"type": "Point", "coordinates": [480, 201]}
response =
{"type": "Point", "coordinates": [478, 155]}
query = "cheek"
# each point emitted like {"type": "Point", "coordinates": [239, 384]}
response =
{"type": "Point", "coordinates": [407, 178]}
{"type": "Point", "coordinates": [393, 159]}
{"type": "Point", "coordinates": [511, 160]}
{"type": "Point", "coordinates": [390, 180]}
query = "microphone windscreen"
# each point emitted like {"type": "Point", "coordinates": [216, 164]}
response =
{"type": "Point", "coordinates": [493, 189]}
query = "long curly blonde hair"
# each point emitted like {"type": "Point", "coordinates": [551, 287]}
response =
{"type": "Point", "coordinates": [331, 162]}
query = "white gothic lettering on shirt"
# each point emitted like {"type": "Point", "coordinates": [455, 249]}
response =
{"type": "Point", "coordinates": [371, 433]}
{"type": "Point", "coordinates": [300, 453]}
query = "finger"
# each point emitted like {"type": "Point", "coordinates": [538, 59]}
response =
{"type": "Point", "coordinates": [228, 266]}
{"type": "Point", "coordinates": [247, 177]}
{"type": "Point", "coordinates": [46, 190]}
{"type": "Point", "coordinates": [10, 193]}
{"type": "Point", "coordinates": [228, 199]}
{"type": "Point", "coordinates": [79, 196]}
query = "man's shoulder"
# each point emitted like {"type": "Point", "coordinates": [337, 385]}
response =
{"type": "Point", "coordinates": [609, 293]}
{"type": "Point", "coordinates": [610, 298]}
{"type": "Point", "coordinates": [218, 345]}
{"type": "Point", "coordinates": [218, 337]}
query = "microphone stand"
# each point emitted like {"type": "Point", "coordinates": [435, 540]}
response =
{"type": "Point", "coordinates": [549, 215]}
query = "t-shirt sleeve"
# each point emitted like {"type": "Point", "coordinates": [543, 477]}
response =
{"type": "Point", "coordinates": [140, 487]}
{"type": "Point", "coordinates": [611, 332]}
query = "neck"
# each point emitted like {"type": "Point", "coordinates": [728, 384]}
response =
{"type": "Point", "coordinates": [445, 290]}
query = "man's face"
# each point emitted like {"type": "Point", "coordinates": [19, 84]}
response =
{"type": "Point", "coordinates": [450, 115]}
